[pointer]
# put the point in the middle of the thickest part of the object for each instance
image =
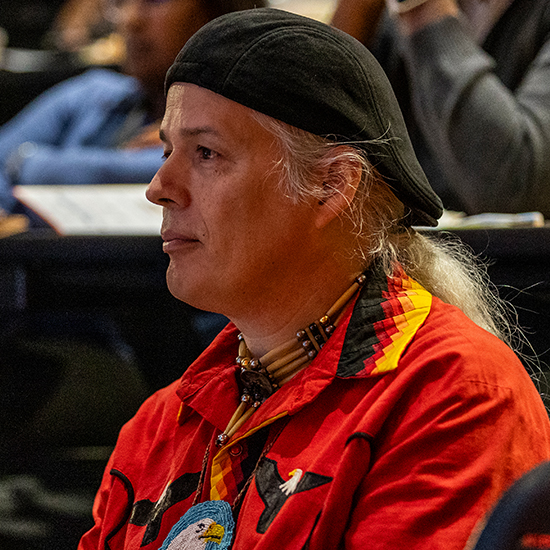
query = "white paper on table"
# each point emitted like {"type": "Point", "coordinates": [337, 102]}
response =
{"type": "Point", "coordinates": [117, 209]}
{"type": "Point", "coordinates": [490, 220]}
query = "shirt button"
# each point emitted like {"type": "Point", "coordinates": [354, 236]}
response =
{"type": "Point", "coordinates": [236, 450]}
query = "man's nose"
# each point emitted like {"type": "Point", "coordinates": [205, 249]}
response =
{"type": "Point", "coordinates": [154, 191]}
{"type": "Point", "coordinates": [169, 185]}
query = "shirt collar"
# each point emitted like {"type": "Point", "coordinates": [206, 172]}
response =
{"type": "Point", "coordinates": [369, 341]}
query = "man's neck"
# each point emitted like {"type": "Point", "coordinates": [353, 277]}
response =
{"type": "Point", "coordinates": [277, 323]}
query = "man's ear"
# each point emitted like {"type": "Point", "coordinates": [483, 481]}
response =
{"type": "Point", "coordinates": [341, 180]}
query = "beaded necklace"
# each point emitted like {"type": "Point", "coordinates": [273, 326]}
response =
{"type": "Point", "coordinates": [260, 377]}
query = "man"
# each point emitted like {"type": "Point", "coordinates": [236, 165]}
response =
{"type": "Point", "coordinates": [361, 410]}
{"type": "Point", "coordinates": [102, 126]}
{"type": "Point", "coordinates": [471, 78]}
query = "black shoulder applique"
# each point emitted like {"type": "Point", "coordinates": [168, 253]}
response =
{"type": "Point", "coordinates": [274, 491]}
{"type": "Point", "coordinates": [146, 512]}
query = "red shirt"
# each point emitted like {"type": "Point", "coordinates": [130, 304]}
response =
{"type": "Point", "coordinates": [402, 433]}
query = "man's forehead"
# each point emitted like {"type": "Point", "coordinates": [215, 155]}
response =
{"type": "Point", "coordinates": [190, 99]}
{"type": "Point", "coordinates": [180, 93]}
{"type": "Point", "coordinates": [194, 111]}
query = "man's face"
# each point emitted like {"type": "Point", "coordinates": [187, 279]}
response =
{"type": "Point", "coordinates": [232, 236]}
{"type": "Point", "coordinates": [154, 32]}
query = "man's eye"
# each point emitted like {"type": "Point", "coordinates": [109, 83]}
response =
{"type": "Point", "coordinates": [205, 153]}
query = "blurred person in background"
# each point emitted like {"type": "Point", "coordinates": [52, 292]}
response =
{"type": "Point", "coordinates": [78, 24]}
{"type": "Point", "coordinates": [472, 78]}
{"type": "Point", "coordinates": [27, 22]}
{"type": "Point", "coordinates": [102, 126]}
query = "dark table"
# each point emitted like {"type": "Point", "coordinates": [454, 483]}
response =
{"type": "Point", "coordinates": [121, 278]}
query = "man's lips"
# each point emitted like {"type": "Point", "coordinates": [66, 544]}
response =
{"type": "Point", "coordinates": [174, 241]}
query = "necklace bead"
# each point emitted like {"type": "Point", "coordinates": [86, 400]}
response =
{"type": "Point", "coordinates": [260, 377]}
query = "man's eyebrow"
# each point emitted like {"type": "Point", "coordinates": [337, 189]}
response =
{"type": "Point", "coordinates": [190, 132]}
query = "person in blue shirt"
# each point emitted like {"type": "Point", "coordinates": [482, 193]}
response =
{"type": "Point", "coordinates": [102, 126]}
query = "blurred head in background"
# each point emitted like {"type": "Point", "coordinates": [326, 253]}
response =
{"type": "Point", "coordinates": [155, 30]}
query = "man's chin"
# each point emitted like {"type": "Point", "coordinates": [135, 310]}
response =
{"type": "Point", "coordinates": [187, 290]}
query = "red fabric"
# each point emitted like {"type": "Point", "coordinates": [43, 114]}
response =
{"type": "Point", "coordinates": [408, 459]}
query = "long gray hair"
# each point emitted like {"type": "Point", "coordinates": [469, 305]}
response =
{"type": "Point", "coordinates": [445, 267]}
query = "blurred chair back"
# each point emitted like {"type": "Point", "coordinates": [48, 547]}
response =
{"type": "Point", "coordinates": [521, 518]}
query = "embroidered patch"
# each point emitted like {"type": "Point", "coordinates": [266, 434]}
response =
{"type": "Point", "coordinates": [290, 486]}
{"type": "Point", "coordinates": [146, 512]}
{"type": "Point", "coordinates": [206, 526]}
{"type": "Point", "coordinates": [274, 491]}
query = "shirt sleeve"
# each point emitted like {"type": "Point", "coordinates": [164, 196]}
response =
{"type": "Point", "coordinates": [112, 509]}
{"type": "Point", "coordinates": [89, 165]}
{"type": "Point", "coordinates": [446, 453]}
{"type": "Point", "coordinates": [65, 137]}
{"type": "Point", "coordinates": [490, 142]}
